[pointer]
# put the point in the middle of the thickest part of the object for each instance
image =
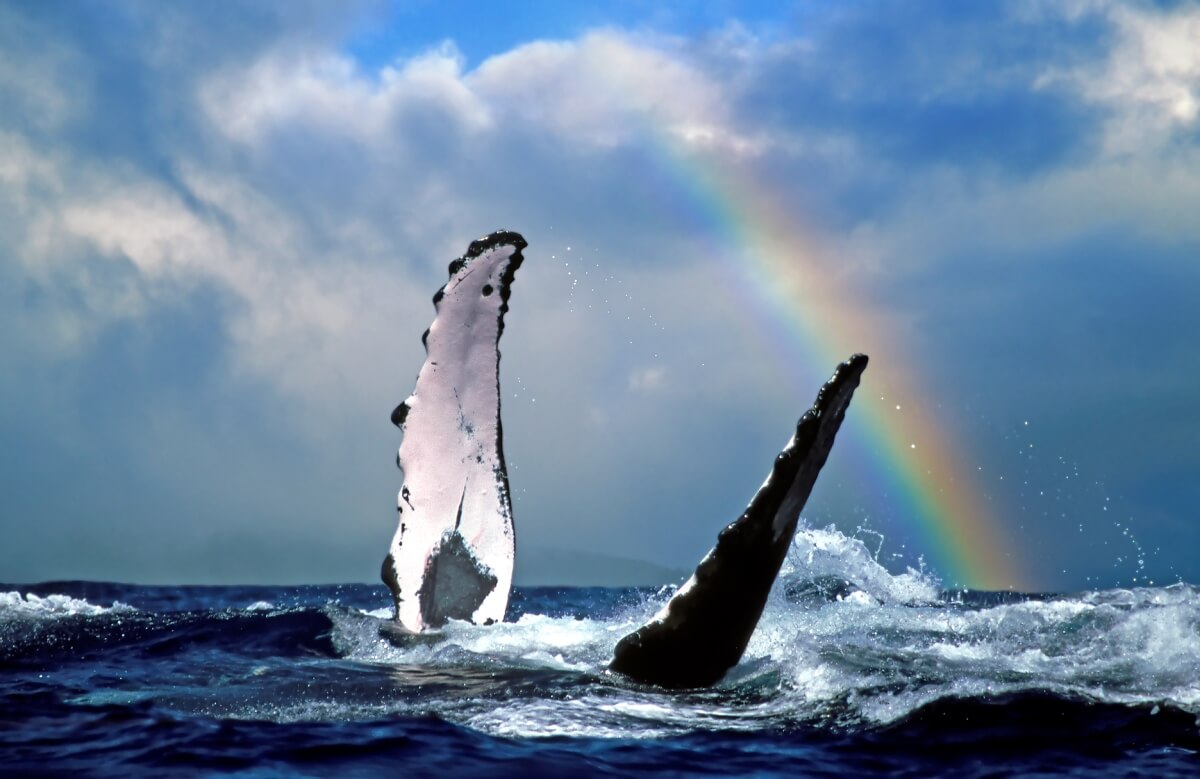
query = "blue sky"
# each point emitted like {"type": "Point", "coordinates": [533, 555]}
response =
{"type": "Point", "coordinates": [222, 232]}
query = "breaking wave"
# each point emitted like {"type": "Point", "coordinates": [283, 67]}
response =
{"type": "Point", "coordinates": [844, 650]}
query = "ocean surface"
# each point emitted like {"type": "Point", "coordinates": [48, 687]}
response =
{"type": "Point", "coordinates": [852, 672]}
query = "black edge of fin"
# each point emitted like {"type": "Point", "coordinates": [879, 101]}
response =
{"type": "Point", "coordinates": [706, 626]}
{"type": "Point", "coordinates": [475, 249]}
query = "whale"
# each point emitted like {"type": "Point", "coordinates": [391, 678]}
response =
{"type": "Point", "coordinates": [704, 628]}
{"type": "Point", "coordinates": [452, 555]}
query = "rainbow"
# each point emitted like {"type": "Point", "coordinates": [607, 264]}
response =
{"type": "Point", "coordinates": [773, 261]}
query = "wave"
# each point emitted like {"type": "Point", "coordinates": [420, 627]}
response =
{"type": "Point", "coordinates": [844, 646]}
{"type": "Point", "coordinates": [36, 632]}
{"type": "Point", "coordinates": [15, 606]}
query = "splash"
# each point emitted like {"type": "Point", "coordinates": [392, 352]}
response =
{"type": "Point", "coordinates": [14, 605]}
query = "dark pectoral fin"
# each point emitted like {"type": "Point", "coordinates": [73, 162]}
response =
{"type": "Point", "coordinates": [706, 626]}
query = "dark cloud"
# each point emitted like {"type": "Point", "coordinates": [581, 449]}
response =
{"type": "Point", "coordinates": [905, 88]}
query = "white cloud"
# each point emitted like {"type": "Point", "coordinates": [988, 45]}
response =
{"type": "Point", "coordinates": [1151, 76]}
{"type": "Point", "coordinates": [1157, 62]}
{"type": "Point", "coordinates": [647, 379]}
{"type": "Point", "coordinates": [301, 322]}
{"type": "Point", "coordinates": [605, 89]}
{"type": "Point", "coordinates": [326, 92]}
{"type": "Point", "coordinates": [955, 214]}
{"type": "Point", "coordinates": [311, 280]}
{"type": "Point", "coordinates": [1138, 182]}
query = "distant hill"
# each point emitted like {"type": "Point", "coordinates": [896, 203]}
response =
{"type": "Point", "coordinates": [547, 566]}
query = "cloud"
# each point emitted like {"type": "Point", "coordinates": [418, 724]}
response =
{"type": "Point", "coordinates": [606, 89]}
{"type": "Point", "coordinates": [647, 379]}
{"type": "Point", "coordinates": [262, 249]}
{"type": "Point", "coordinates": [222, 246]}
{"type": "Point", "coordinates": [327, 93]}
{"type": "Point", "coordinates": [1149, 78]}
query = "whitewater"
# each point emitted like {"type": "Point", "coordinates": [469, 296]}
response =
{"type": "Point", "coordinates": [852, 668]}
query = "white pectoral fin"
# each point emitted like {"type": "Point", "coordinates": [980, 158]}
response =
{"type": "Point", "coordinates": [453, 552]}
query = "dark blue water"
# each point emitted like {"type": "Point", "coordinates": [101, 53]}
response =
{"type": "Point", "coordinates": [127, 680]}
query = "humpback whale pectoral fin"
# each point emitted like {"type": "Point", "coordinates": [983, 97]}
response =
{"type": "Point", "coordinates": [704, 629]}
{"type": "Point", "coordinates": [455, 561]}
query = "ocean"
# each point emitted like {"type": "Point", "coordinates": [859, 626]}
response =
{"type": "Point", "coordinates": [853, 671]}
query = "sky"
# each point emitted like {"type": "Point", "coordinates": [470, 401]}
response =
{"type": "Point", "coordinates": [221, 226]}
